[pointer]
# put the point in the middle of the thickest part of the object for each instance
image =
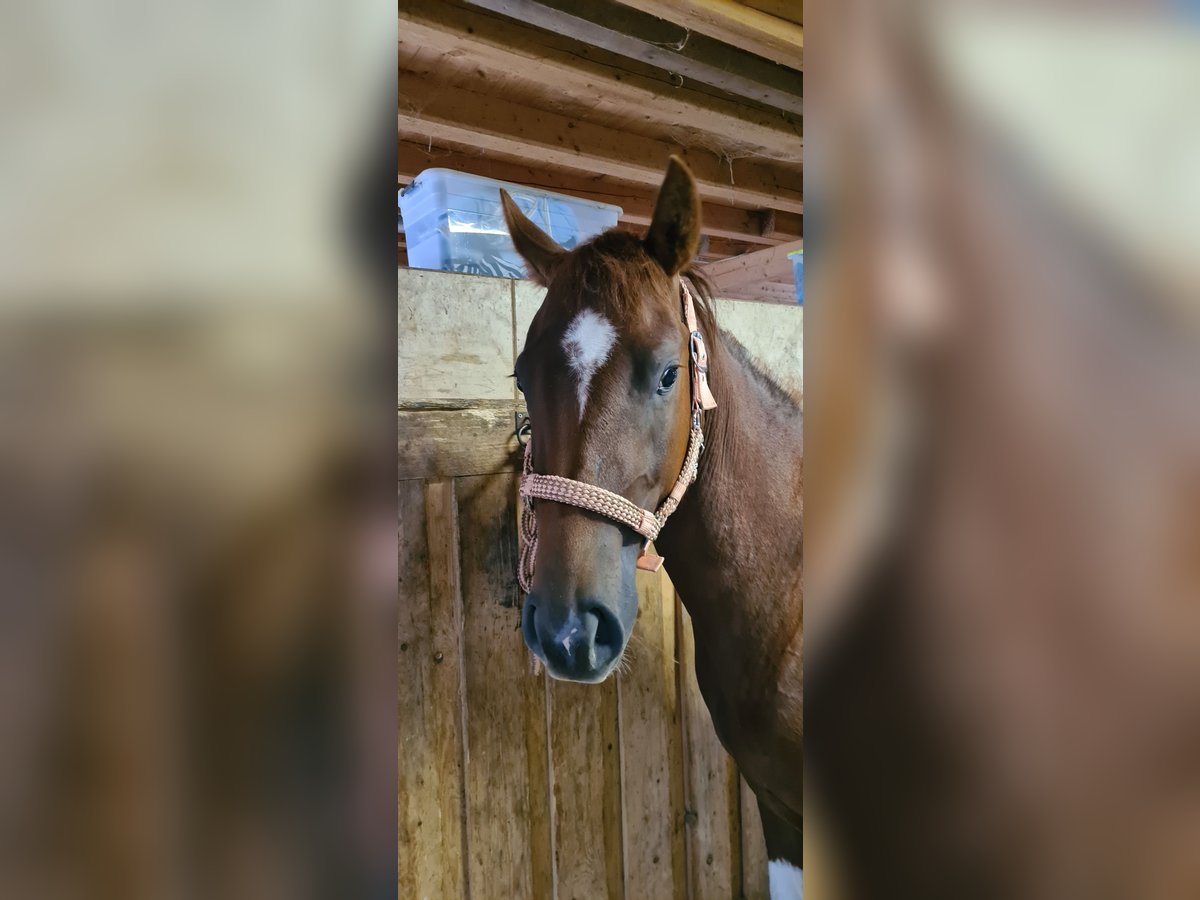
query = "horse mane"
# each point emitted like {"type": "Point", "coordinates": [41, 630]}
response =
{"type": "Point", "coordinates": [702, 292]}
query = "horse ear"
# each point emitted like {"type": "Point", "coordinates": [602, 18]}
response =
{"type": "Point", "coordinates": [674, 235]}
{"type": "Point", "coordinates": [536, 247]}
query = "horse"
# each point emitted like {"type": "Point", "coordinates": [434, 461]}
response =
{"type": "Point", "coordinates": [624, 370]}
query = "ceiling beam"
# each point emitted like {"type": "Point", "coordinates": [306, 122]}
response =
{"type": "Point", "coordinates": [749, 269]}
{"type": "Point", "coordinates": [453, 116]}
{"type": "Point", "coordinates": [562, 74]}
{"type": "Point", "coordinates": [764, 292]}
{"type": "Point", "coordinates": [641, 36]}
{"type": "Point", "coordinates": [636, 201]}
{"type": "Point", "coordinates": [741, 26]}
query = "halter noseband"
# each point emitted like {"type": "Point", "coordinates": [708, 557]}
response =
{"type": "Point", "coordinates": [587, 496]}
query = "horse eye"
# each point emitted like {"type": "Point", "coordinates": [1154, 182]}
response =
{"type": "Point", "coordinates": [668, 379]}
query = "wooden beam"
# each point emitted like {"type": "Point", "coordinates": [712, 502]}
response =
{"type": "Point", "coordinates": [484, 47]}
{"type": "Point", "coordinates": [780, 226]}
{"type": "Point", "coordinates": [741, 26]}
{"type": "Point", "coordinates": [711, 249]}
{"type": "Point", "coordinates": [640, 36]}
{"type": "Point", "coordinates": [765, 292]}
{"type": "Point", "coordinates": [789, 10]}
{"type": "Point", "coordinates": [450, 115]}
{"type": "Point", "coordinates": [636, 201]}
{"type": "Point", "coordinates": [769, 265]}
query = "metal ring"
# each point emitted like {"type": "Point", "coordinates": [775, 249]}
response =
{"type": "Point", "coordinates": [524, 429]}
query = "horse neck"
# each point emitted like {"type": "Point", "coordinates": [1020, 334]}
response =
{"type": "Point", "coordinates": [733, 549]}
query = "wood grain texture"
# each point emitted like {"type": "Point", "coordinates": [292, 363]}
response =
{"type": "Point", "coordinates": [429, 748]}
{"type": "Point", "coordinates": [584, 748]}
{"type": "Point", "coordinates": [741, 26]}
{"type": "Point", "coordinates": [476, 440]}
{"type": "Point", "coordinates": [459, 117]}
{"type": "Point", "coordinates": [754, 849]}
{"type": "Point", "coordinates": [507, 814]}
{"type": "Point", "coordinates": [557, 73]}
{"type": "Point", "coordinates": [646, 38]}
{"type": "Point", "coordinates": [455, 336]}
{"type": "Point", "coordinates": [651, 750]}
{"type": "Point", "coordinates": [710, 787]}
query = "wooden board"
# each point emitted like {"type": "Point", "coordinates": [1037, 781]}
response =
{"type": "Point", "coordinates": [755, 884]}
{"type": "Point", "coordinates": [465, 439]}
{"type": "Point", "coordinates": [431, 853]}
{"type": "Point", "coordinates": [636, 35]}
{"type": "Point", "coordinates": [558, 73]}
{"type": "Point", "coordinates": [651, 749]}
{"type": "Point", "coordinates": [429, 111]}
{"type": "Point", "coordinates": [740, 26]}
{"type": "Point", "coordinates": [710, 787]}
{"type": "Point", "coordinates": [507, 801]}
{"type": "Point", "coordinates": [771, 264]}
{"type": "Point", "coordinates": [585, 762]}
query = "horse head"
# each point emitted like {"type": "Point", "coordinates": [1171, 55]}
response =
{"type": "Point", "coordinates": [604, 371]}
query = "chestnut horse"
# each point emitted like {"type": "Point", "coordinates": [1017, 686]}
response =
{"type": "Point", "coordinates": [608, 379]}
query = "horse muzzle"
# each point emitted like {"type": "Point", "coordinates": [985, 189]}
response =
{"type": "Point", "coordinates": [579, 642]}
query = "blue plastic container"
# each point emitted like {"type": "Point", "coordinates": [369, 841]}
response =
{"type": "Point", "coordinates": [454, 222]}
{"type": "Point", "coordinates": [797, 258]}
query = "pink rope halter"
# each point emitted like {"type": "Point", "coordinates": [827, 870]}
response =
{"type": "Point", "coordinates": [588, 496]}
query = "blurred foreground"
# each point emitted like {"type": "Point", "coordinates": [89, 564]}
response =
{"type": "Point", "coordinates": [1003, 423]}
{"type": "Point", "coordinates": [197, 623]}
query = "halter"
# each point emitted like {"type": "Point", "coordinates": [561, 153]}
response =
{"type": "Point", "coordinates": [587, 496]}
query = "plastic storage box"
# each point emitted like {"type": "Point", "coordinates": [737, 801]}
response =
{"type": "Point", "coordinates": [797, 258]}
{"type": "Point", "coordinates": [454, 222]}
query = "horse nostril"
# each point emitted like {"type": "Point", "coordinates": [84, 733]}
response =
{"type": "Point", "coordinates": [610, 636]}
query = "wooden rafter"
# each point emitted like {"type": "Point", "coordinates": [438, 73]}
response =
{"type": "Point", "coordinates": [641, 36]}
{"type": "Point", "coordinates": [734, 23]}
{"type": "Point", "coordinates": [761, 266]}
{"type": "Point", "coordinates": [466, 119]}
{"type": "Point", "coordinates": [636, 201]}
{"type": "Point", "coordinates": [564, 74]}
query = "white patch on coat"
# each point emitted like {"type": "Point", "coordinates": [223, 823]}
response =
{"type": "Point", "coordinates": [587, 343]}
{"type": "Point", "coordinates": [787, 882]}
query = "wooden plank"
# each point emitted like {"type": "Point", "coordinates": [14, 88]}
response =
{"type": "Point", "coordinates": [788, 10]}
{"type": "Point", "coordinates": [780, 226]}
{"type": "Point", "coordinates": [636, 201]}
{"type": "Point", "coordinates": [476, 439]}
{"type": "Point", "coordinates": [741, 26]}
{"type": "Point", "coordinates": [772, 292]}
{"type": "Point", "coordinates": [710, 787]}
{"type": "Point", "coordinates": [585, 754]}
{"type": "Point", "coordinates": [770, 264]}
{"type": "Point", "coordinates": [651, 751]}
{"type": "Point", "coordinates": [429, 749]}
{"type": "Point", "coordinates": [637, 35]}
{"type": "Point", "coordinates": [507, 798]}
{"type": "Point", "coordinates": [754, 849]}
{"type": "Point", "coordinates": [464, 118]}
{"type": "Point", "coordinates": [564, 75]}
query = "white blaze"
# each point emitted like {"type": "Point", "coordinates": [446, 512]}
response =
{"type": "Point", "coordinates": [787, 882]}
{"type": "Point", "coordinates": [587, 343]}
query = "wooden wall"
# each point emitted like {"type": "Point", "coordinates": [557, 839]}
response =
{"type": "Point", "coordinates": [512, 785]}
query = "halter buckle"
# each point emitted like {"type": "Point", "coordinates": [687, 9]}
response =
{"type": "Point", "coordinates": [699, 352]}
